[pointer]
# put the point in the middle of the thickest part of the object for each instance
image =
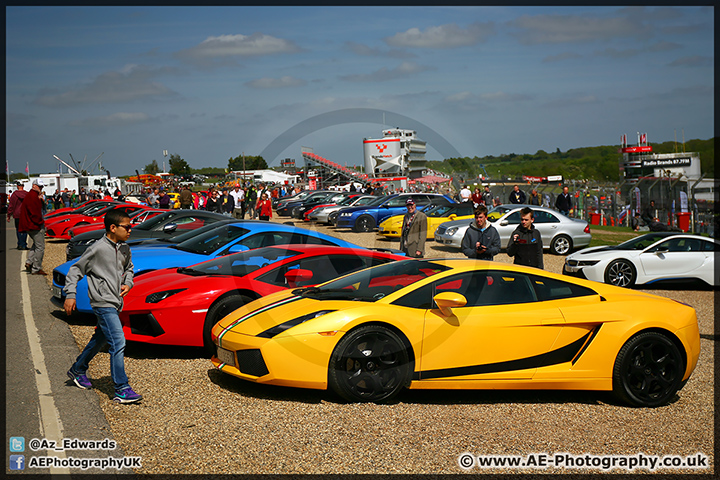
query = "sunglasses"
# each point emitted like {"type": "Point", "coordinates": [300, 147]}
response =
{"type": "Point", "coordinates": [126, 227]}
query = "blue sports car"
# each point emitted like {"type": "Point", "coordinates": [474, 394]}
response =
{"type": "Point", "coordinates": [366, 217]}
{"type": "Point", "coordinates": [226, 238]}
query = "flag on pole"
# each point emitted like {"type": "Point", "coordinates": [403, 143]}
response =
{"type": "Point", "coordinates": [27, 168]}
{"type": "Point", "coordinates": [643, 138]}
{"type": "Point", "coordinates": [623, 140]}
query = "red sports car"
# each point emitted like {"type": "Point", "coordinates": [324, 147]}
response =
{"type": "Point", "coordinates": [82, 208]}
{"type": "Point", "coordinates": [179, 306]}
{"type": "Point", "coordinates": [136, 217]}
{"type": "Point", "coordinates": [59, 227]}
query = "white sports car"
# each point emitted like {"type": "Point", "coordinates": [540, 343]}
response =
{"type": "Point", "coordinates": [647, 259]}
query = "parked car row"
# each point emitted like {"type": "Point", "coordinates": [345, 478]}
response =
{"type": "Point", "coordinates": [278, 304]}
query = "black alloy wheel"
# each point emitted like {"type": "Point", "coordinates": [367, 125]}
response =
{"type": "Point", "coordinates": [364, 224]}
{"type": "Point", "coordinates": [369, 364]}
{"type": "Point", "coordinates": [648, 370]}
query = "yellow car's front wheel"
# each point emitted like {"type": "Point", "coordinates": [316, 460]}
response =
{"type": "Point", "coordinates": [369, 364]}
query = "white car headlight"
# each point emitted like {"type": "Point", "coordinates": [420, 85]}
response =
{"type": "Point", "coordinates": [451, 231]}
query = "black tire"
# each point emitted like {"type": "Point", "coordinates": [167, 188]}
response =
{"type": "Point", "coordinates": [561, 245]}
{"type": "Point", "coordinates": [332, 218]}
{"type": "Point", "coordinates": [364, 224]}
{"type": "Point", "coordinates": [648, 370]}
{"type": "Point", "coordinates": [216, 313]}
{"type": "Point", "coordinates": [369, 364]}
{"type": "Point", "coordinates": [621, 273]}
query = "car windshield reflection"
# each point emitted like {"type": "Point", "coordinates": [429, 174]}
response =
{"type": "Point", "coordinates": [240, 264]}
{"type": "Point", "coordinates": [374, 283]}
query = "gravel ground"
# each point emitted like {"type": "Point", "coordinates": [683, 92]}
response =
{"type": "Point", "coordinates": [195, 419]}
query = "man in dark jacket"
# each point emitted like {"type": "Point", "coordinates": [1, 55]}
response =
{"type": "Point", "coordinates": [31, 221]}
{"type": "Point", "coordinates": [186, 198]}
{"type": "Point", "coordinates": [13, 212]}
{"type": "Point", "coordinates": [481, 240]}
{"type": "Point", "coordinates": [564, 202]}
{"type": "Point", "coordinates": [517, 196]}
{"type": "Point", "coordinates": [525, 242]}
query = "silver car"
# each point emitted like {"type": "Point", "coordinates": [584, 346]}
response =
{"type": "Point", "coordinates": [322, 214]}
{"type": "Point", "coordinates": [560, 234]}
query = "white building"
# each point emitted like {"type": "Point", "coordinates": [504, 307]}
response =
{"type": "Point", "coordinates": [398, 152]}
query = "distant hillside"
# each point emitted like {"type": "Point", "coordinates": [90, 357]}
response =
{"type": "Point", "coordinates": [593, 163]}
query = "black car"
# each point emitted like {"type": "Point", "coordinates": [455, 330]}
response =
{"type": "Point", "coordinates": [287, 209]}
{"type": "Point", "coordinates": [165, 225]}
{"type": "Point", "coordinates": [299, 211]}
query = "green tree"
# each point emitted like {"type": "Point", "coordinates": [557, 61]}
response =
{"type": "Point", "coordinates": [178, 166]}
{"type": "Point", "coordinates": [251, 163]}
{"type": "Point", "coordinates": [152, 168]}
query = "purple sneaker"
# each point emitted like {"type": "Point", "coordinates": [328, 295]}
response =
{"type": "Point", "coordinates": [81, 381]}
{"type": "Point", "coordinates": [127, 396]}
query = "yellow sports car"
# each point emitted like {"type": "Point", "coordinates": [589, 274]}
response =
{"type": "Point", "coordinates": [436, 214]}
{"type": "Point", "coordinates": [462, 324]}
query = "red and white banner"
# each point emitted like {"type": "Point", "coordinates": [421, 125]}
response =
{"type": "Point", "coordinates": [643, 139]}
{"type": "Point", "coordinates": [532, 179]}
{"type": "Point", "coordinates": [647, 148]}
{"type": "Point", "coordinates": [27, 168]}
{"type": "Point", "coordinates": [623, 140]}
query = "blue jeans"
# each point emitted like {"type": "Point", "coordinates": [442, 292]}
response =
{"type": "Point", "coordinates": [21, 236]}
{"type": "Point", "coordinates": [108, 331]}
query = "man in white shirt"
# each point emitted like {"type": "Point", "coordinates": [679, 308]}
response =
{"type": "Point", "coordinates": [465, 194]}
{"type": "Point", "coordinates": [238, 195]}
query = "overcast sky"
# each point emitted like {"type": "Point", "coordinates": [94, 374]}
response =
{"type": "Point", "coordinates": [210, 83]}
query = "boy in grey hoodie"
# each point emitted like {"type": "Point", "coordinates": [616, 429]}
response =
{"type": "Point", "coordinates": [109, 270]}
{"type": "Point", "coordinates": [481, 240]}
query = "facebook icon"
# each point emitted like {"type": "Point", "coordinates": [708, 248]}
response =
{"type": "Point", "coordinates": [17, 462]}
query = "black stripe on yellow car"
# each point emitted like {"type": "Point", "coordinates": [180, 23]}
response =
{"type": "Point", "coordinates": [560, 355]}
{"type": "Point", "coordinates": [587, 344]}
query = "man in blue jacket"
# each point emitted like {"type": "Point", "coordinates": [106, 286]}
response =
{"type": "Point", "coordinates": [108, 266]}
{"type": "Point", "coordinates": [481, 240]}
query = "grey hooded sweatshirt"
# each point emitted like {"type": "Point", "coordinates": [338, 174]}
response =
{"type": "Point", "coordinates": [108, 266]}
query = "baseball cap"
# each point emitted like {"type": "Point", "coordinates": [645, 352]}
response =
{"type": "Point", "coordinates": [410, 201]}
{"type": "Point", "coordinates": [38, 182]}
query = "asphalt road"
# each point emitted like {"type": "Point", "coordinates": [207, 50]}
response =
{"type": "Point", "coordinates": [41, 403]}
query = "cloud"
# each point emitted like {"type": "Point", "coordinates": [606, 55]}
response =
{"type": "Point", "coordinates": [283, 82]}
{"type": "Point", "coordinates": [542, 29]}
{"type": "Point", "coordinates": [561, 57]}
{"type": "Point", "coordinates": [571, 101]}
{"type": "Point", "coordinates": [365, 51]}
{"type": "Point", "coordinates": [18, 120]}
{"type": "Point", "coordinates": [224, 49]}
{"type": "Point", "coordinates": [403, 70]}
{"type": "Point", "coordinates": [473, 102]}
{"type": "Point", "coordinates": [663, 47]}
{"type": "Point", "coordinates": [443, 36]}
{"type": "Point", "coordinates": [132, 83]}
{"type": "Point", "coordinates": [615, 53]}
{"type": "Point", "coordinates": [694, 61]}
{"type": "Point", "coordinates": [118, 119]}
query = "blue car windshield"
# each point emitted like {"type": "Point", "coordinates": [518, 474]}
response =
{"type": "Point", "coordinates": [240, 264]}
{"type": "Point", "coordinates": [208, 242]}
{"type": "Point", "coordinates": [372, 284]}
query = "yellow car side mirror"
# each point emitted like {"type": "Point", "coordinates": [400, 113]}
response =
{"type": "Point", "coordinates": [446, 301]}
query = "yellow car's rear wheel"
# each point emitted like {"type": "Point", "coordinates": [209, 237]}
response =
{"type": "Point", "coordinates": [369, 364]}
{"type": "Point", "coordinates": [648, 370]}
